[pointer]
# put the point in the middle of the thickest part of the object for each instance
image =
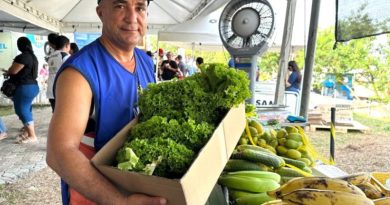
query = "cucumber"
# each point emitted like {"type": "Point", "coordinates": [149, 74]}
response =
{"type": "Point", "coordinates": [241, 165]}
{"type": "Point", "coordinates": [256, 174]}
{"type": "Point", "coordinates": [288, 172]}
{"type": "Point", "coordinates": [254, 199]}
{"type": "Point", "coordinates": [249, 184]}
{"type": "Point", "coordinates": [295, 163]}
{"type": "Point", "coordinates": [259, 156]}
{"type": "Point", "coordinates": [253, 147]}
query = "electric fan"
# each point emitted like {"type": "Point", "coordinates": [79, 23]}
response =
{"type": "Point", "coordinates": [245, 28]}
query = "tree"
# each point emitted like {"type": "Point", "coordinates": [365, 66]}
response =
{"type": "Point", "coordinates": [364, 57]}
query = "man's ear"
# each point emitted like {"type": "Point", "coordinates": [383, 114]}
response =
{"type": "Point", "coordinates": [99, 12]}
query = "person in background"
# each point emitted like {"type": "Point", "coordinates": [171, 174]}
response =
{"type": "Point", "coordinates": [104, 78]}
{"type": "Point", "coordinates": [55, 61]}
{"type": "Point", "coordinates": [43, 75]}
{"type": "Point", "coordinates": [293, 82]}
{"type": "Point", "coordinates": [199, 62]}
{"type": "Point", "coordinates": [24, 71]}
{"type": "Point", "coordinates": [51, 39]}
{"type": "Point", "coordinates": [231, 63]}
{"type": "Point", "coordinates": [3, 130]}
{"type": "Point", "coordinates": [182, 66]}
{"type": "Point", "coordinates": [169, 67]}
{"type": "Point", "coordinates": [73, 48]}
{"type": "Point", "coordinates": [151, 55]}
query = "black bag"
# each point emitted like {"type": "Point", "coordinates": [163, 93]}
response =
{"type": "Point", "coordinates": [8, 88]}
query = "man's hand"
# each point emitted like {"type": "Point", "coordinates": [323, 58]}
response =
{"type": "Point", "coordinates": [139, 199]}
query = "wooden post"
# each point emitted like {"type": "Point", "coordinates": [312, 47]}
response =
{"type": "Point", "coordinates": [285, 51]}
{"type": "Point", "coordinates": [309, 59]}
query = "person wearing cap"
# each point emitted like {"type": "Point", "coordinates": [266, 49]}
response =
{"type": "Point", "coordinates": [96, 93]}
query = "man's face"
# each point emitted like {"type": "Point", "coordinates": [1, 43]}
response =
{"type": "Point", "coordinates": [124, 21]}
{"type": "Point", "coordinates": [169, 56]}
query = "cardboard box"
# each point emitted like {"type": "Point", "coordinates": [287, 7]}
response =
{"type": "Point", "coordinates": [196, 185]}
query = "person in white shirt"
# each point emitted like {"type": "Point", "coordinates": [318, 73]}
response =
{"type": "Point", "coordinates": [62, 45]}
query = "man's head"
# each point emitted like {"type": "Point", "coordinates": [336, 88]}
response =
{"type": "Point", "coordinates": [169, 55]}
{"type": "Point", "coordinates": [101, 0]}
{"type": "Point", "coordinates": [52, 37]}
{"type": "Point", "coordinates": [124, 22]}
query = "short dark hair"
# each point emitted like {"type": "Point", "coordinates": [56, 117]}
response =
{"type": "Point", "coordinates": [52, 38]}
{"type": "Point", "coordinates": [199, 60]}
{"type": "Point", "coordinates": [61, 42]}
{"type": "Point", "coordinates": [98, 1]}
{"type": "Point", "coordinates": [74, 47]}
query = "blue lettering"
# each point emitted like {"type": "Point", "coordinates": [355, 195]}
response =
{"type": "Point", "coordinates": [3, 46]}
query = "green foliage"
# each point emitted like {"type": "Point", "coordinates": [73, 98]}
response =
{"type": "Point", "coordinates": [362, 56]}
{"type": "Point", "coordinates": [190, 134]}
{"type": "Point", "coordinates": [176, 158]}
{"type": "Point", "coordinates": [203, 97]}
{"type": "Point", "coordinates": [179, 117]}
{"type": "Point", "coordinates": [269, 65]}
{"type": "Point", "coordinates": [377, 125]}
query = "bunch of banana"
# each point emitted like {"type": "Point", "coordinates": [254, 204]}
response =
{"type": "Point", "coordinates": [382, 201]}
{"type": "Point", "coordinates": [324, 197]}
{"type": "Point", "coordinates": [363, 181]}
{"type": "Point", "coordinates": [357, 178]}
{"type": "Point", "coordinates": [320, 183]}
{"type": "Point", "coordinates": [320, 190]}
{"type": "Point", "coordinates": [250, 187]}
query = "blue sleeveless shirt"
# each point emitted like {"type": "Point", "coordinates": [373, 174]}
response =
{"type": "Point", "coordinates": [114, 89]}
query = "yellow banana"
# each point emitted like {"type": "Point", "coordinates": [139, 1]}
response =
{"type": "Point", "coordinates": [358, 178]}
{"type": "Point", "coordinates": [382, 201]}
{"type": "Point", "coordinates": [324, 197]}
{"type": "Point", "coordinates": [371, 191]}
{"type": "Point", "coordinates": [321, 183]}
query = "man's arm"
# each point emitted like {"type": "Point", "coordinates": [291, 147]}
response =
{"type": "Point", "coordinates": [67, 126]}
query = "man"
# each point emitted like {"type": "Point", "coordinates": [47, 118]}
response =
{"type": "Point", "coordinates": [182, 66]}
{"type": "Point", "coordinates": [169, 67]}
{"type": "Point", "coordinates": [59, 56]}
{"type": "Point", "coordinates": [105, 75]}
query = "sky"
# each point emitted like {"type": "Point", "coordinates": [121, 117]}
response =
{"type": "Point", "coordinates": [302, 19]}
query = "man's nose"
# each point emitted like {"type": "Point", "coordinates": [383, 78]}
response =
{"type": "Point", "coordinates": [131, 14]}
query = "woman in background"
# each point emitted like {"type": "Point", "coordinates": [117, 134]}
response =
{"type": "Point", "coordinates": [293, 82]}
{"type": "Point", "coordinates": [24, 71]}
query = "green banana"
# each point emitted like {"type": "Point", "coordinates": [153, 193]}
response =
{"type": "Point", "coordinates": [254, 199]}
{"type": "Point", "coordinates": [256, 174]}
{"type": "Point", "coordinates": [246, 183]}
{"type": "Point", "coordinates": [319, 183]}
{"type": "Point", "coordinates": [324, 197]}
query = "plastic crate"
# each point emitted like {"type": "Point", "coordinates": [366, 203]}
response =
{"type": "Point", "coordinates": [379, 178]}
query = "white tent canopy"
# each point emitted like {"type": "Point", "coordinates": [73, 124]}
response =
{"type": "Point", "coordinates": [79, 15]}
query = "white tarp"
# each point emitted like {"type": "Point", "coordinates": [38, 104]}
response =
{"type": "Point", "coordinates": [80, 16]}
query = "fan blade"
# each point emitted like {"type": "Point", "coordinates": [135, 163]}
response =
{"type": "Point", "coordinates": [231, 38]}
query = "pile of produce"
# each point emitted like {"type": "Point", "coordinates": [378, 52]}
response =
{"type": "Point", "coordinates": [265, 156]}
{"type": "Point", "coordinates": [355, 189]}
{"type": "Point", "coordinates": [178, 118]}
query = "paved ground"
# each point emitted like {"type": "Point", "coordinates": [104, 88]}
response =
{"type": "Point", "coordinates": [20, 160]}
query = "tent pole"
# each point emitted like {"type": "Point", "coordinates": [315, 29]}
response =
{"type": "Point", "coordinates": [285, 51]}
{"type": "Point", "coordinates": [309, 59]}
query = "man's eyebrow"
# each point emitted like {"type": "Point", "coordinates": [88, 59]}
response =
{"type": "Point", "coordinates": [119, 1]}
